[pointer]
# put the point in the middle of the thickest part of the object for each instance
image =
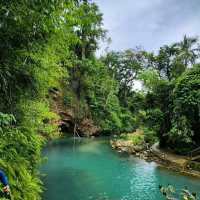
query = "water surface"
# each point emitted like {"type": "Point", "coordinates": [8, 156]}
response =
{"type": "Point", "coordinates": [88, 169]}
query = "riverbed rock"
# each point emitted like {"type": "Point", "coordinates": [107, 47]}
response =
{"type": "Point", "coordinates": [139, 148]}
{"type": "Point", "coordinates": [126, 146]}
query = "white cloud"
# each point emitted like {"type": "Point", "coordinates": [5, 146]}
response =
{"type": "Point", "coordinates": [150, 23]}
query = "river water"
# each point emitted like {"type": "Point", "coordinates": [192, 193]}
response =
{"type": "Point", "coordinates": [88, 169]}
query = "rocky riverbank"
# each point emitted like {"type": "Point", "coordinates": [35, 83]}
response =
{"type": "Point", "coordinates": [122, 146]}
{"type": "Point", "coordinates": [165, 159]}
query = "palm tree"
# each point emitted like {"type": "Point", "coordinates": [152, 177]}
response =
{"type": "Point", "coordinates": [188, 53]}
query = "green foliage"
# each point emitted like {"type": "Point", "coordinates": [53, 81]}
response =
{"type": "Point", "coordinates": [52, 44]}
{"type": "Point", "coordinates": [20, 153]}
{"type": "Point", "coordinates": [181, 135]}
{"type": "Point", "coordinates": [186, 119]}
{"type": "Point", "coordinates": [137, 138]}
{"type": "Point", "coordinates": [101, 97]}
{"type": "Point", "coordinates": [140, 136]}
{"type": "Point", "coordinates": [150, 78]}
{"type": "Point", "coordinates": [188, 51]}
{"type": "Point", "coordinates": [172, 101]}
{"type": "Point", "coordinates": [37, 117]}
{"type": "Point", "coordinates": [169, 106]}
{"type": "Point", "coordinates": [24, 27]}
{"type": "Point", "coordinates": [124, 67]}
{"type": "Point", "coordinates": [100, 93]}
{"type": "Point", "coordinates": [173, 60]}
{"type": "Point", "coordinates": [150, 135]}
{"type": "Point", "coordinates": [35, 49]}
{"type": "Point", "coordinates": [154, 119]}
{"type": "Point", "coordinates": [6, 119]}
{"type": "Point", "coordinates": [136, 102]}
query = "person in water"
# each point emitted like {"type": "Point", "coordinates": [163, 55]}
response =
{"type": "Point", "coordinates": [186, 195]}
{"type": "Point", "coordinates": [4, 181]}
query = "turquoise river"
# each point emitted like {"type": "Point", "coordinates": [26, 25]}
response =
{"type": "Point", "coordinates": [88, 169]}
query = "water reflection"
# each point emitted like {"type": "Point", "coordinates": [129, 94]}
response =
{"type": "Point", "coordinates": [89, 169]}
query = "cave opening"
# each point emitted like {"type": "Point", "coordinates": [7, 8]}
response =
{"type": "Point", "coordinates": [66, 128]}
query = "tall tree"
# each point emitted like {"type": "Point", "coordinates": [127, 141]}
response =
{"type": "Point", "coordinates": [125, 67]}
{"type": "Point", "coordinates": [88, 30]}
{"type": "Point", "coordinates": [165, 61]}
{"type": "Point", "coordinates": [188, 50]}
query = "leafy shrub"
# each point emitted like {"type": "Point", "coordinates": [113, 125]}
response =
{"type": "Point", "coordinates": [154, 118]}
{"type": "Point", "coordinates": [186, 119]}
{"type": "Point", "coordinates": [37, 117]}
{"type": "Point", "coordinates": [137, 137]}
{"type": "Point", "coordinates": [20, 154]}
{"type": "Point", "coordinates": [150, 136]}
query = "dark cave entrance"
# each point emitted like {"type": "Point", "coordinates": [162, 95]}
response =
{"type": "Point", "coordinates": [66, 128]}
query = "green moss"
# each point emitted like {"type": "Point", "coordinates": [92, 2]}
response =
{"type": "Point", "coordinates": [195, 165]}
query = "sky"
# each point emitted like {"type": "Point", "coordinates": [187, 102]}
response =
{"type": "Point", "coordinates": [148, 23]}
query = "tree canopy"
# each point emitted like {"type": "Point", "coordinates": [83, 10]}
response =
{"type": "Point", "coordinates": [50, 45]}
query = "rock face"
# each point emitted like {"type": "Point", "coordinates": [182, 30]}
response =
{"type": "Point", "coordinates": [141, 151]}
{"type": "Point", "coordinates": [67, 121]}
{"type": "Point", "coordinates": [88, 128]}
